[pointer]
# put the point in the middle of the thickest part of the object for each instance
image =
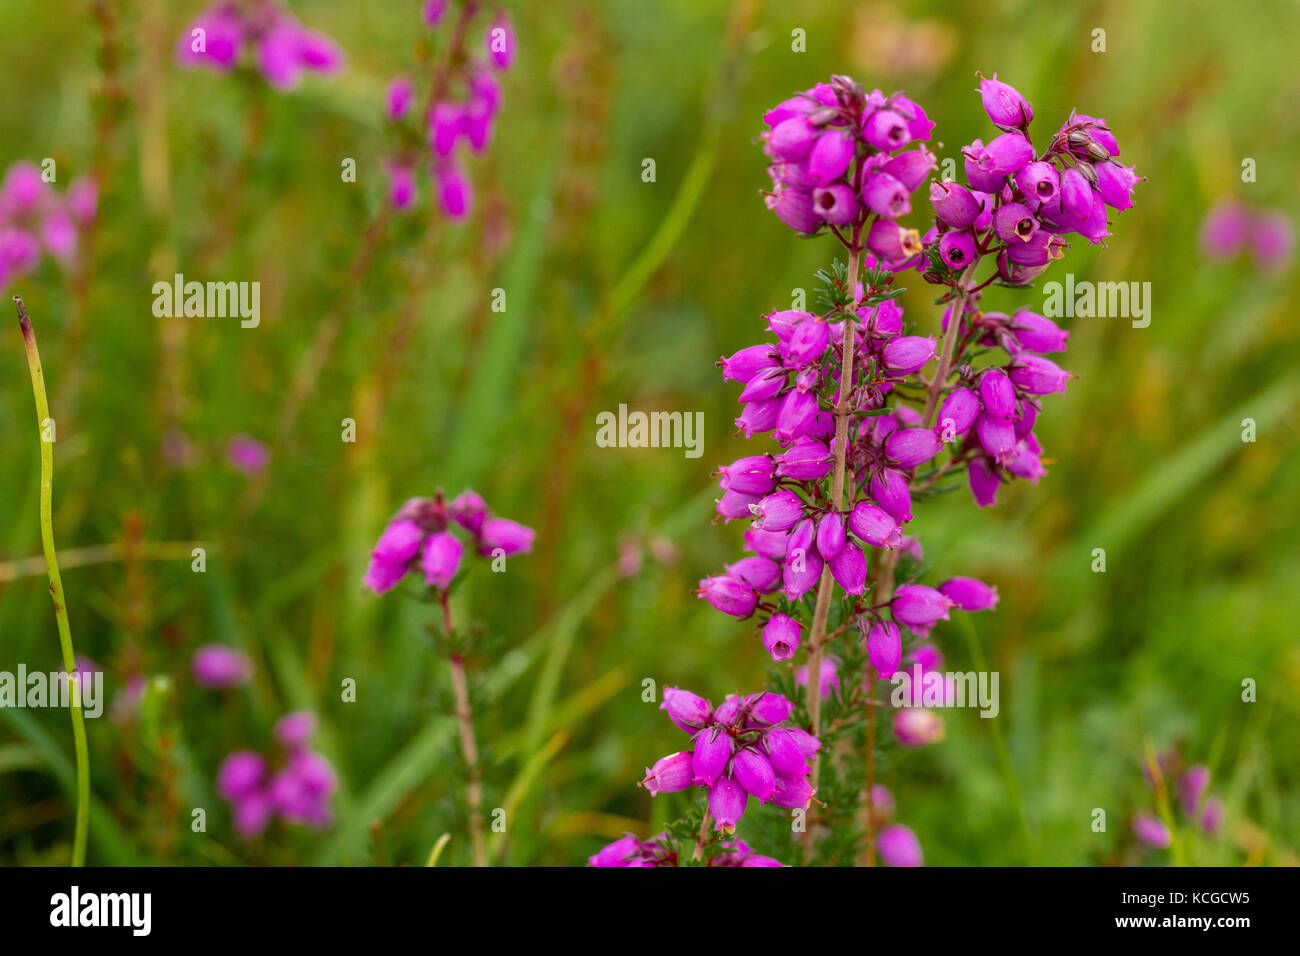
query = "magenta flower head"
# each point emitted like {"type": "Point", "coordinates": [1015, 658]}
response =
{"type": "Point", "coordinates": [247, 454]}
{"type": "Point", "coordinates": [886, 130]}
{"type": "Point", "coordinates": [781, 636]}
{"type": "Point", "coordinates": [1193, 783]}
{"type": "Point", "coordinates": [433, 11]}
{"type": "Point", "coordinates": [849, 568]}
{"type": "Point", "coordinates": [218, 667]}
{"type": "Point", "coordinates": [795, 208]}
{"type": "Point", "coordinates": [898, 846]}
{"type": "Point", "coordinates": [884, 648]}
{"type": "Point", "coordinates": [957, 413]}
{"type": "Point", "coordinates": [669, 774]}
{"type": "Point", "coordinates": [1004, 104]}
{"type": "Point", "coordinates": [1151, 831]}
{"type": "Point", "coordinates": [830, 156]}
{"type": "Point", "coordinates": [918, 607]}
{"type": "Point", "coordinates": [886, 196]}
{"type": "Point", "coordinates": [806, 461]}
{"type": "Point", "coordinates": [399, 97]}
{"type": "Point", "coordinates": [917, 727]}
{"type": "Point", "coordinates": [688, 711]}
{"type": "Point", "coordinates": [970, 594]}
{"type": "Point", "coordinates": [240, 775]}
{"type": "Point", "coordinates": [836, 204]}
{"type": "Point", "coordinates": [295, 729]}
{"type": "Point", "coordinates": [729, 595]}
{"type": "Point", "coordinates": [1212, 817]}
{"type": "Point", "coordinates": [1035, 333]}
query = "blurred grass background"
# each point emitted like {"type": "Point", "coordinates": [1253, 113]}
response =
{"type": "Point", "coordinates": [624, 291]}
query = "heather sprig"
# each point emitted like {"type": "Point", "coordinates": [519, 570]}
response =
{"type": "Point", "coordinates": [460, 107]}
{"type": "Point", "coordinates": [864, 435]}
{"type": "Point", "coordinates": [427, 537]}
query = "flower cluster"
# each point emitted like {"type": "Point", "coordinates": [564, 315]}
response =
{"type": "Point", "coordinates": [838, 152]}
{"type": "Point", "coordinates": [1020, 203]}
{"type": "Point", "coordinates": [1199, 807]}
{"type": "Point", "coordinates": [659, 851]}
{"type": "Point", "coordinates": [267, 33]}
{"type": "Point", "coordinates": [421, 533]}
{"type": "Point", "coordinates": [1232, 227]}
{"type": "Point", "coordinates": [462, 105]}
{"type": "Point", "coordinates": [34, 219]}
{"type": "Point", "coordinates": [299, 791]}
{"type": "Point", "coordinates": [743, 748]}
{"type": "Point", "coordinates": [217, 667]}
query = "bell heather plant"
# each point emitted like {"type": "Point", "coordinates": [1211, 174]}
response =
{"type": "Point", "coordinates": [865, 436]}
{"type": "Point", "coordinates": [422, 539]}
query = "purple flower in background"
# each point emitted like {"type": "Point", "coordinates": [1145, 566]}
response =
{"type": "Point", "coordinates": [247, 454]}
{"type": "Point", "coordinates": [266, 34]}
{"type": "Point", "coordinates": [423, 529]}
{"type": "Point", "coordinates": [218, 667]}
{"type": "Point", "coordinates": [1151, 831]}
{"type": "Point", "coordinates": [899, 846]}
{"type": "Point", "coordinates": [298, 789]}
{"type": "Point", "coordinates": [36, 220]}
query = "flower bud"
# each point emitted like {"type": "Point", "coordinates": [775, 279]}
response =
{"type": "Point", "coordinates": [760, 573]}
{"type": "Point", "coordinates": [911, 168]}
{"type": "Point", "coordinates": [889, 488]}
{"type": "Point", "coordinates": [911, 447]}
{"type": "Point", "coordinates": [830, 534]}
{"type": "Point", "coordinates": [919, 607]}
{"type": "Point", "coordinates": [1004, 104]}
{"type": "Point", "coordinates": [806, 343]}
{"type": "Point", "coordinates": [1038, 334]}
{"type": "Point", "coordinates": [441, 559]}
{"type": "Point", "coordinates": [955, 205]}
{"type": "Point", "coordinates": [510, 536]}
{"type": "Point", "coordinates": [1151, 831]}
{"type": "Point", "coordinates": [874, 526]}
{"type": "Point", "coordinates": [884, 648]}
{"type": "Point", "coordinates": [830, 156]}
{"type": "Point", "coordinates": [997, 436]}
{"type": "Point", "coordinates": [779, 511]}
{"type": "Point", "coordinates": [748, 362]}
{"type": "Point", "coordinates": [898, 846]}
{"type": "Point", "coordinates": [750, 476]}
{"type": "Point", "coordinates": [729, 595]}
{"type": "Point", "coordinates": [712, 751]}
{"type": "Point", "coordinates": [792, 793]}
{"type": "Point", "coordinates": [957, 413]}
{"type": "Point", "coordinates": [970, 594]}
{"type": "Point", "coordinates": [727, 800]}
{"type": "Point", "coordinates": [792, 139]}
{"type": "Point", "coordinates": [1076, 195]}
{"type": "Point", "coordinates": [997, 394]}
{"type": "Point", "coordinates": [908, 353]}
{"type": "Point", "coordinates": [917, 727]}
{"type": "Point", "coordinates": [688, 711]}
{"type": "Point", "coordinates": [806, 461]}
{"type": "Point", "coordinates": [849, 568]}
{"type": "Point", "coordinates": [753, 772]}
{"type": "Point", "coordinates": [669, 774]}
{"type": "Point", "coordinates": [1037, 375]}
{"type": "Point", "coordinates": [784, 753]}
{"type": "Point", "coordinates": [794, 207]}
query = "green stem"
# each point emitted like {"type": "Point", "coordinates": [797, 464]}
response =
{"type": "Point", "coordinates": [56, 588]}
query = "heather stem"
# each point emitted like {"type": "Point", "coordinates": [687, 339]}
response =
{"type": "Point", "coordinates": [843, 411]}
{"type": "Point", "coordinates": [82, 825]}
{"type": "Point", "coordinates": [465, 720]}
{"type": "Point", "coordinates": [702, 838]}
